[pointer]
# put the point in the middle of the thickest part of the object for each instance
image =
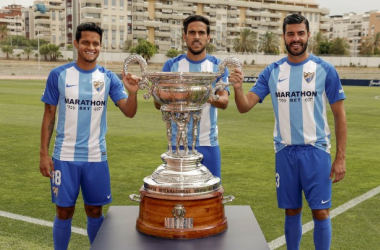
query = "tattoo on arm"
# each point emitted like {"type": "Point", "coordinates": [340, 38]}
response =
{"type": "Point", "coordinates": [50, 127]}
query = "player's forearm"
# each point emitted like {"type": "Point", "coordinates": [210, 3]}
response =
{"type": "Point", "coordinates": [129, 106]}
{"type": "Point", "coordinates": [241, 101]}
{"type": "Point", "coordinates": [47, 129]}
{"type": "Point", "coordinates": [341, 136]}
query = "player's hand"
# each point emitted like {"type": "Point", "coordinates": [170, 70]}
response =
{"type": "Point", "coordinates": [237, 78]}
{"type": "Point", "coordinates": [338, 169]}
{"type": "Point", "coordinates": [46, 166]}
{"type": "Point", "coordinates": [131, 82]}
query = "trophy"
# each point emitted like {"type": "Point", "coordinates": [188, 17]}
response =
{"type": "Point", "coordinates": [181, 199]}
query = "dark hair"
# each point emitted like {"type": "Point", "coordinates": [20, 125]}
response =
{"type": "Point", "coordinates": [194, 18]}
{"type": "Point", "coordinates": [295, 19]}
{"type": "Point", "coordinates": [88, 27]}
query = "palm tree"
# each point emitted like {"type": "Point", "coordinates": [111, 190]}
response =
{"type": "Point", "coordinates": [365, 48]}
{"type": "Point", "coordinates": [315, 42]}
{"type": "Point", "coordinates": [246, 42]}
{"type": "Point", "coordinates": [7, 49]}
{"type": "Point", "coordinates": [3, 32]}
{"type": "Point", "coordinates": [375, 43]}
{"type": "Point", "coordinates": [269, 43]}
{"type": "Point", "coordinates": [27, 51]}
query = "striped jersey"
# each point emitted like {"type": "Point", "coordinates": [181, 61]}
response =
{"type": "Point", "coordinates": [81, 98]}
{"type": "Point", "coordinates": [299, 94]}
{"type": "Point", "coordinates": [207, 129]}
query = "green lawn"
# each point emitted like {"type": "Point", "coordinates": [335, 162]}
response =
{"type": "Point", "coordinates": [134, 149]}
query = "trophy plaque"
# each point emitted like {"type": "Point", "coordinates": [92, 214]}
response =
{"type": "Point", "coordinates": [181, 199]}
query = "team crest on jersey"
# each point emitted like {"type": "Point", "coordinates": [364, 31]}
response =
{"type": "Point", "coordinates": [98, 85]}
{"type": "Point", "coordinates": [308, 76]}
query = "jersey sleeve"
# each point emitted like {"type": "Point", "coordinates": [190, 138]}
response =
{"type": "Point", "coordinates": [333, 87]}
{"type": "Point", "coordinates": [261, 87]}
{"type": "Point", "coordinates": [167, 66]}
{"type": "Point", "coordinates": [117, 90]}
{"type": "Point", "coordinates": [51, 92]}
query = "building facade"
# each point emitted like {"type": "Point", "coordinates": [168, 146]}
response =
{"type": "Point", "coordinates": [356, 28]}
{"type": "Point", "coordinates": [46, 20]}
{"type": "Point", "coordinates": [160, 21]}
{"type": "Point", "coordinates": [11, 17]}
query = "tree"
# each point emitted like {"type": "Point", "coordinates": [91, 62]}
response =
{"type": "Point", "coordinates": [269, 43]}
{"type": "Point", "coordinates": [324, 48]}
{"type": "Point", "coordinates": [375, 43]}
{"type": "Point", "coordinates": [173, 53]}
{"type": "Point", "coordinates": [210, 48]}
{"type": "Point", "coordinates": [144, 48]}
{"type": "Point", "coordinates": [3, 32]}
{"type": "Point", "coordinates": [127, 45]}
{"type": "Point", "coordinates": [339, 46]}
{"type": "Point", "coordinates": [315, 42]}
{"type": "Point", "coordinates": [54, 52]}
{"type": "Point", "coordinates": [246, 42]}
{"type": "Point", "coordinates": [8, 50]}
{"type": "Point", "coordinates": [365, 48]}
{"type": "Point", "coordinates": [44, 50]}
{"type": "Point", "coordinates": [27, 51]}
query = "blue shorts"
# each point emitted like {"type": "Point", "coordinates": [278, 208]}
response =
{"type": "Point", "coordinates": [211, 158]}
{"type": "Point", "coordinates": [93, 178]}
{"type": "Point", "coordinates": [307, 169]}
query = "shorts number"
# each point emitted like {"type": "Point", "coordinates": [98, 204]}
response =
{"type": "Point", "coordinates": [57, 178]}
{"type": "Point", "coordinates": [277, 180]}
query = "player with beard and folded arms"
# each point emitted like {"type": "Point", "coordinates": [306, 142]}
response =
{"type": "Point", "coordinates": [300, 85]}
{"type": "Point", "coordinates": [78, 92]}
{"type": "Point", "coordinates": [197, 36]}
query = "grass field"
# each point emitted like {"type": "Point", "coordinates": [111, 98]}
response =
{"type": "Point", "coordinates": [135, 146]}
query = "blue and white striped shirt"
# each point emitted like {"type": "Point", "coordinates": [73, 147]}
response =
{"type": "Point", "coordinates": [81, 99]}
{"type": "Point", "coordinates": [207, 129]}
{"type": "Point", "coordinates": [299, 95]}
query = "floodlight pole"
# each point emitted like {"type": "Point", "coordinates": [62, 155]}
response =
{"type": "Point", "coordinates": [38, 49]}
{"type": "Point", "coordinates": [75, 24]}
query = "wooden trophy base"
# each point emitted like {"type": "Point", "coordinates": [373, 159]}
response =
{"type": "Point", "coordinates": [176, 217]}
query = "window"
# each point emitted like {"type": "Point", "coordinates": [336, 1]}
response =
{"type": "Point", "coordinates": [121, 19]}
{"type": "Point", "coordinates": [121, 36]}
{"type": "Point", "coordinates": [113, 18]}
{"type": "Point", "coordinates": [105, 18]}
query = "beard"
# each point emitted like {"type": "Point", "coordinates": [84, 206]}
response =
{"type": "Point", "coordinates": [304, 47]}
{"type": "Point", "coordinates": [196, 52]}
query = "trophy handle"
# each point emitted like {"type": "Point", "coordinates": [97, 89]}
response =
{"type": "Point", "coordinates": [227, 199]}
{"type": "Point", "coordinates": [143, 84]}
{"type": "Point", "coordinates": [220, 85]}
{"type": "Point", "coordinates": [135, 197]}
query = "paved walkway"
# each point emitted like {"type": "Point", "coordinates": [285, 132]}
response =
{"type": "Point", "coordinates": [23, 77]}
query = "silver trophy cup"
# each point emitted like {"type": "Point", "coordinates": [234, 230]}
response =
{"type": "Point", "coordinates": [181, 177]}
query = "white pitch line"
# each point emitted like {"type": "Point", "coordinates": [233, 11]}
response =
{"type": "Point", "coordinates": [272, 245]}
{"type": "Point", "coordinates": [280, 241]}
{"type": "Point", "coordinates": [39, 222]}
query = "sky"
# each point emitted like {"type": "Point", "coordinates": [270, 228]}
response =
{"type": "Point", "coordinates": [337, 7]}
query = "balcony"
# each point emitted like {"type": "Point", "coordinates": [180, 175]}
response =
{"type": "Point", "coordinates": [91, 19]}
{"type": "Point", "coordinates": [96, 10]}
{"type": "Point", "coordinates": [152, 24]}
{"type": "Point", "coordinates": [162, 33]}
